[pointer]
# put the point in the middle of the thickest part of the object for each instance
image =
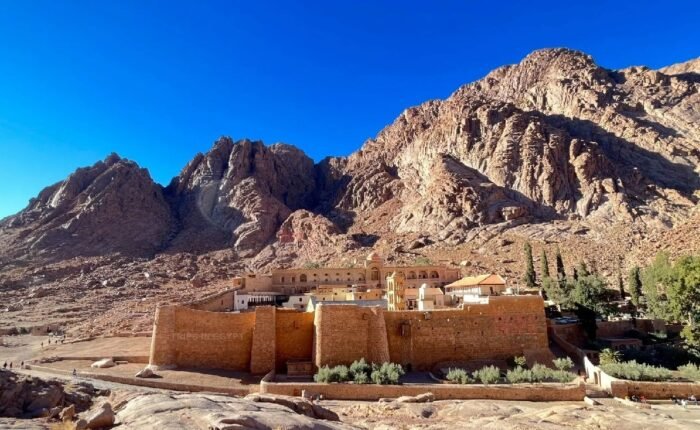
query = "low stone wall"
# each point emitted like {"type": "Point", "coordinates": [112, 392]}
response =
{"type": "Point", "coordinates": [524, 392]}
{"type": "Point", "coordinates": [651, 390]}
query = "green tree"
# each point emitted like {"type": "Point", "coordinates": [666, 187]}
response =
{"type": "Point", "coordinates": [545, 265]}
{"type": "Point", "coordinates": [656, 280]}
{"type": "Point", "coordinates": [684, 291]}
{"type": "Point", "coordinates": [530, 277]}
{"type": "Point", "coordinates": [561, 273]}
{"type": "Point", "coordinates": [592, 292]}
{"type": "Point", "coordinates": [554, 291]}
{"type": "Point", "coordinates": [634, 286]}
{"type": "Point", "coordinates": [672, 292]}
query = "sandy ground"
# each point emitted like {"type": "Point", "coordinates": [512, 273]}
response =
{"type": "Point", "coordinates": [26, 347]}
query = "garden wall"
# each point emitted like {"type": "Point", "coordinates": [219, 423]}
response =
{"type": "Point", "coordinates": [525, 392]}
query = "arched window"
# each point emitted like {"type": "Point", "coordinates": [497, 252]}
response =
{"type": "Point", "coordinates": [411, 275]}
{"type": "Point", "coordinates": [434, 274]}
{"type": "Point", "coordinates": [283, 279]}
{"type": "Point", "coordinates": [374, 276]}
{"type": "Point", "coordinates": [302, 278]}
{"type": "Point", "coordinates": [422, 274]}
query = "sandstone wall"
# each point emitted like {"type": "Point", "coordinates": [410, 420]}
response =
{"type": "Point", "coordinates": [504, 328]}
{"type": "Point", "coordinates": [267, 338]}
{"type": "Point", "coordinates": [343, 335]}
{"type": "Point", "coordinates": [190, 338]}
{"type": "Point", "coordinates": [294, 336]}
{"type": "Point", "coordinates": [262, 353]}
{"type": "Point", "coordinates": [618, 328]}
{"type": "Point", "coordinates": [215, 303]}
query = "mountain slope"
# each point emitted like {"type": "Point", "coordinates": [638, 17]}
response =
{"type": "Point", "coordinates": [555, 150]}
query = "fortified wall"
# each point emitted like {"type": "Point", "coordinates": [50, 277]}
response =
{"type": "Point", "coordinates": [269, 337]}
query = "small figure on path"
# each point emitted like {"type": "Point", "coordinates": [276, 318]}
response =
{"type": "Point", "coordinates": [75, 373]}
{"type": "Point", "coordinates": [4, 366]}
{"type": "Point", "coordinates": [42, 344]}
{"type": "Point", "coordinates": [10, 365]}
{"type": "Point", "coordinates": [21, 365]}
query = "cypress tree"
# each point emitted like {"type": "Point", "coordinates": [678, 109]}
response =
{"type": "Point", "coordinates": [561, 273]}
{"type": "Point", "coordinates": [545, 265]}
{"type": "Point", "coordinates": [634, 285]}
{"type": "Point", "coordinates": [530, 277]}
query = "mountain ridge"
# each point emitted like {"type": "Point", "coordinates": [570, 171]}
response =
{"type": "Point", "coordinates": [554, 150]}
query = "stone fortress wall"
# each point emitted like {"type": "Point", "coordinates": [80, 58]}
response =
{"type": "Point", "coordinates": [267, 338]}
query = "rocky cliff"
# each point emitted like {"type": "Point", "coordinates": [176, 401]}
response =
{"type": "Point", "coordinates": [555, 150]}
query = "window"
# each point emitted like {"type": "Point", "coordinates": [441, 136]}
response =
{"type": "Point", "coordinates": [422, 274]}
{"type": "Point", "coordinates": [283, 279]}
{"type": "Point", "coordinates": [302, 278]}
{"type": "Point", "coordinates": [294, 279]}
{"type": "Point", "coordinates": [434, 274]}
{"type": "Point", "coordinates": [374, 274]}
{"type": "Point", "coordinates": [411, 275]}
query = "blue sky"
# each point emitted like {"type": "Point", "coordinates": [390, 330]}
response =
{"type": "Point", "coordinates": [159, 81]}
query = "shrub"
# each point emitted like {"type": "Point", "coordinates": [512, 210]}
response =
{"type": "Point", "coordinates": [332, 374]}
{"type": "Point", "coordinates": [609, 356]}
{"type": "Point", "coordinates": [360, 367]}
{"type": "Point", "coordinates": [360, 378]}
{"type": "Point", "coordinates": [563, 363]}
{"type": "Point", "coordinates": [519, 361]}
{"type": "Point", "coordinates": [690, 371]}
{"type": "Point", "coordinates": [634, 371]}
{"type": "Point", "coordinates": [539, 373]}
{"type": "Point", "coordinates": [386, 374]}
{"type": "Point", "coordinates": [519, 375]}
{"type": "Point", "coordinates": [487, 375]}
{"type": "Point", "coordinates": [563, 376]}
{"type": "Point", "coordinates": [458, 376]}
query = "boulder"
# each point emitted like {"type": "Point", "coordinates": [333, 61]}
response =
{"type": "Point", "coordinates": [67, 413]}
{"type": "Point", "coordinates": [104, 363]}
{"type": "Point", "coordinates": [81, 424]}
{"type": "Point", "coordinates": [145, 373]}
{"type": "Point", "coordinates": [299, 405]}
{"type": "Point", "coordinates": [421, 398]}
{"type": "Point", "coordinates": [101, 417]}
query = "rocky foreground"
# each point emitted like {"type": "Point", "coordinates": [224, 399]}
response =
{"type": "Point", "coordinates": [33, 403]}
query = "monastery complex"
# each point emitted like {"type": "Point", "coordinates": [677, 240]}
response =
{"type": "Point", "coordinates": [295, 320]}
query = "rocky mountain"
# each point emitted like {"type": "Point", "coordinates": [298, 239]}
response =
{"type": "Point", "coordinates": [556, 150]}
